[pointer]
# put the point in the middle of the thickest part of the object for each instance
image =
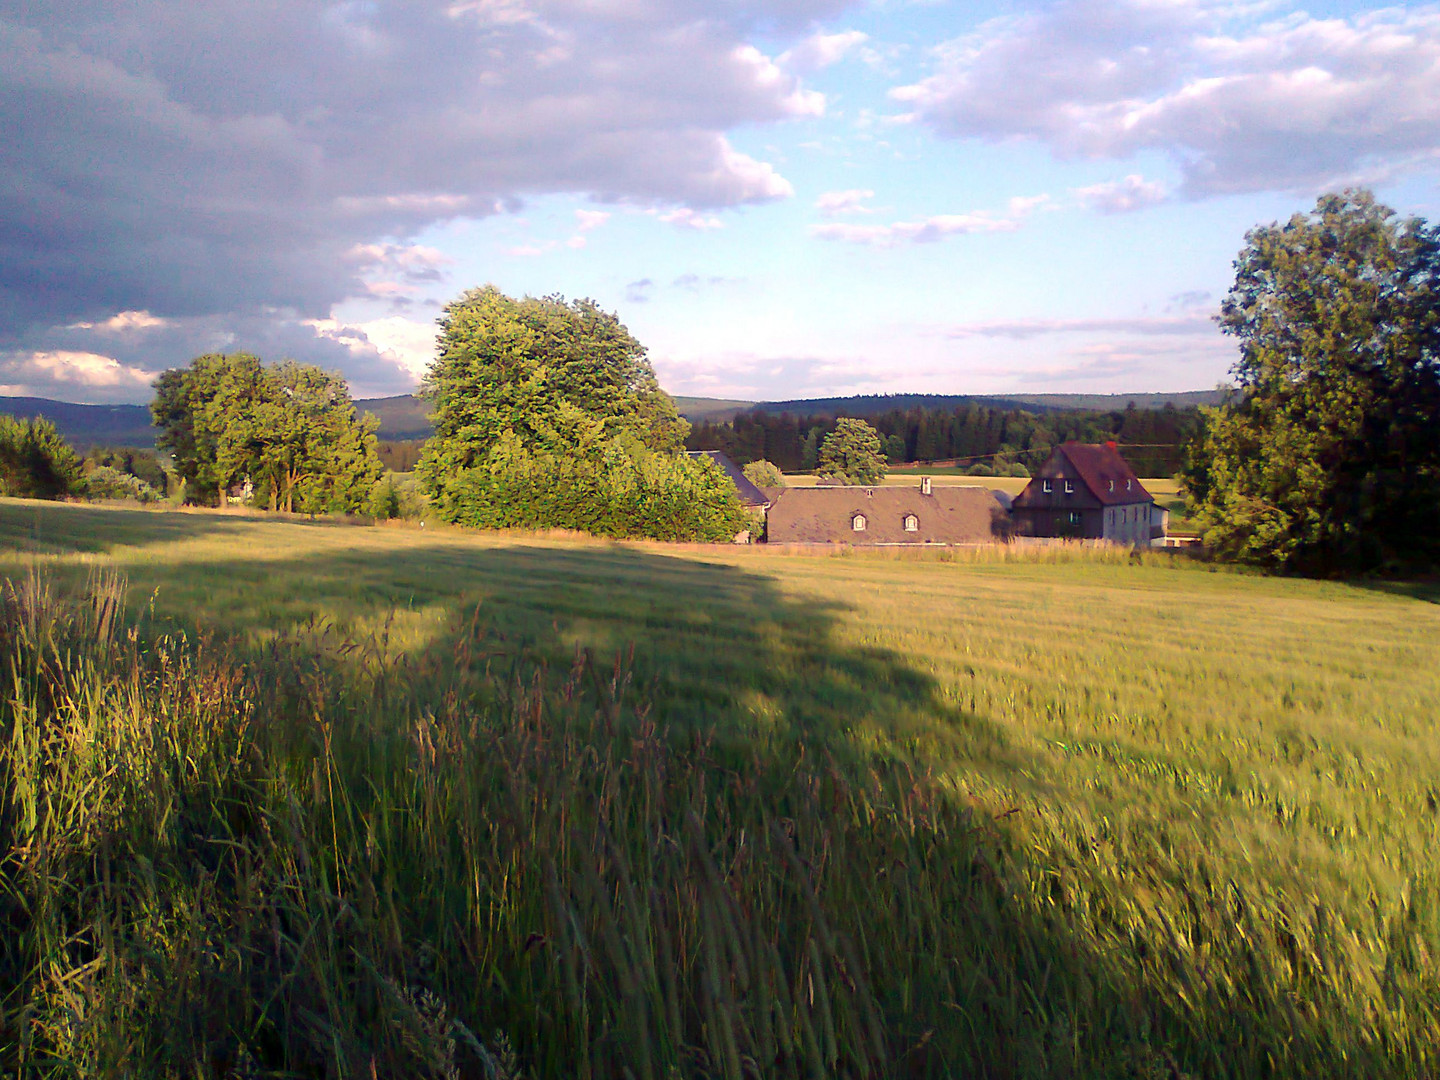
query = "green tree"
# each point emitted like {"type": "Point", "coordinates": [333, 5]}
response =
{"type": "Point", "coordinates": [894, 449]}
{"type": "Point", "coordinates": [35, 462]}
{"type": "Point", "coordinates": [763, 473]}
{"type": "Point", "coordinates": [545, 373]}
{"type": "Point", "coordinates": [191, 425]}
{"type": "Point", "coordinates": [1326, 460]}
{"type": "Point", "coordinates": [548, 415]}
{"type": "Point", "coordinates": [291, 429]}
{"type": "Point", "coordinates": [851, 454]}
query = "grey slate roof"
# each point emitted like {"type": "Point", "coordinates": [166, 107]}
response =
{"type": "Point", "coordinates": [750, 495]}
{"type": "Point", "coordinates": [825, 515]}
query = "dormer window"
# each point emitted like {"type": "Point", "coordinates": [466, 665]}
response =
{"type": "Point", "coordinates": [858, 523]}
{"type": "Point", "coordinates": [1046, 486]}
{"type": "Point", "coordinates": [912, 523]}
{"type": "Point", "coordinates": [1127, 485]}
{"type": "Point", "coordinates": [1112, 485]}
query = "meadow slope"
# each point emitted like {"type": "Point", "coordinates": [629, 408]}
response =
{"type": "Point", "coordinates": [1208, 803]}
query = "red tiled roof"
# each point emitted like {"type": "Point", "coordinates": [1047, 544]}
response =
{"type": "Point", "coordinates": [1098, 465]}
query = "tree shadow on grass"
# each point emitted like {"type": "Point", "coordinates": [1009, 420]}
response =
{"type": "Point", "coordinates": [711, 646]}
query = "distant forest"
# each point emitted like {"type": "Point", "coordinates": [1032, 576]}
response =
{"type": "Point", "coordinates": [1152, 440]}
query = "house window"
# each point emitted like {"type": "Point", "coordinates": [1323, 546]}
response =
{"type": "Point", "coordinates": [1069, 487]}
{"type": "Point", "coordinates": [912, 523]}
{"type": "Point", "coordinates": [1127, 485]}
{"type": "Point", "coordinates": [858, 523]}
{"type": "Point", "coordinates": [1112, 485]}
{"type": "Point", "coordinates": [1046, 486]}
{"type": "Point", "coordinates": [1074, 517]}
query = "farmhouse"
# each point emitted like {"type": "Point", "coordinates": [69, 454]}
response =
{"type": "Point", "coordinates": [926, 514]}
{"type": "Point", "coordinates": [1087, 491]}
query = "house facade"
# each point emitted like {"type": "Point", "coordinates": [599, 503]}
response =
{"type": "Point", "coordinates": [1088, 491]}
{"type": "Point", "coordinates": [924, 514]}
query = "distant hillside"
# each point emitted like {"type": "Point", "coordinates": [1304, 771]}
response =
{"type": "Point", "coordinates": [404, 417]}
{"type": "Point", "coordinates": [84, 426]}
{"type": "Point", "coordinates": [716, 410]}
{"type": "Point", "coordinates": [863, 405]}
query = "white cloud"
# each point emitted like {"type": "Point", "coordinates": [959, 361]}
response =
{"type": "Point", "coordinates": [1022, 329]}
{"type": "Point", "coordinates": [820, 50]}
{"type": "Point", "coordinates": [586, 220]}
{"type": "Point", "coordinates": [408, 344]}
{"type": "Point", "coordinates": [1134, 192]}
{"type": "Point", "coordinates": [85, 376]}
{"type": "Point", "coordinates": [685, 218]}
{"type": "Point", "coordinates": [833, 203]}
{"type": "Point", "coordinates": [923, 231]}
{"type": "Point", "coordinates": [1240, 104]}
{"type": "Point", "coordinates": [123, 322]}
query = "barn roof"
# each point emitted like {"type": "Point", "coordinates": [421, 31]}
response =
{"type": "Point", "coordinates": [1101, 468]}
{"type": "Point", "coordinates": [750, 495]}
{"type": "Point", "coordinates": [824, 515]}
{"type": "Point", "coordinates": [1100, 463]}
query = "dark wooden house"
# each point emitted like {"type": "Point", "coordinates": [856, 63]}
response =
{"type": "Point", "coordinates": [1087, 491]}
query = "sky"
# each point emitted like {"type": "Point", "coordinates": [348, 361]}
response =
{"type": "Point", "coordinates": [780, 200]}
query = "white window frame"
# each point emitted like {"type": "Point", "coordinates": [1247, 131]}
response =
{"type": "Point", "coordinates": [1046, 486]}
{"type": "Point", "coordinates": [858, 523]}
{"type": "Point", "coordinates": [1069, 487]}
{"type": "Point", "coordinates": [911, 523]}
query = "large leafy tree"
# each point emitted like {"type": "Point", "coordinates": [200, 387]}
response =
{"type": "Point", "coordinates": [547, 414]}
{"type": "Point", "coordinates": [291, 429]}
{"type": "Point", "coordinates": [1327, 459]}
{"type": "Point", "coordinates": [546, 374]}
{"type": "Point", "coordinates": [852, 454]}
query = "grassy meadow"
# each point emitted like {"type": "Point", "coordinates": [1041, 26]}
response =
{"type": "Point", "coordinates": [294, 798]}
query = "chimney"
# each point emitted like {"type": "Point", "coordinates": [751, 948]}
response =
{"type": "Point", "coordinates": [925, 485]}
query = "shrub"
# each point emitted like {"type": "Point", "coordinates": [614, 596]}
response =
{"type": "Point", "coordinates": [764, 473]}
{"type": "Point", "coordinates": [625, 491]}
{"type": "Point", "coordinates": [106, 482]}
{"type": "Point", "coordinates": [397, 496]}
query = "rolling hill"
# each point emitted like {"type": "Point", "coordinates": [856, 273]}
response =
{"type": "Point", "coordinates": [403, 417]}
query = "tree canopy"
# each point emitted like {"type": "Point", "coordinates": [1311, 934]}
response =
{"type": "Point", "coordinates": [546, 373]}
{"type": "Point", "coordinates": [547, 414]}
{"type": "Point", "coordinates": [1327, 460]}
{"type": "Point", "coordinates": [852, 453]}
{"type": "Point", "coordinates": [291, 429]}
{"type": "Point", "coordinates": [35, 462]}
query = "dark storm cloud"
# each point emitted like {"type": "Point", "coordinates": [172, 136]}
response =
{"type": "Point", "coordinates": [227, 160]}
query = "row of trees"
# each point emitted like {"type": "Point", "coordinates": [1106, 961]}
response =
{"type": "Point", "coordinates": [289, 430]}
{"type": "Point", "coordinates": [996, 438]}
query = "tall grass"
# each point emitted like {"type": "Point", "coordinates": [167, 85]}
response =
{"type": "Point", "coordinates": [333, 859]}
